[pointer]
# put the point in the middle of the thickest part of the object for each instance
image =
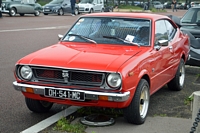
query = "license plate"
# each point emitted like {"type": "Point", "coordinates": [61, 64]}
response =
{"type": "Point", "coordinates": [65, 94]}
{"type": "Point", "coordinates": [47, 10]}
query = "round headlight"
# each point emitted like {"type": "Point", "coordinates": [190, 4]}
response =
{"type": "Point", "coordinates": [26, 72]}
{"type": "Point", "coordinates": [114, 80]}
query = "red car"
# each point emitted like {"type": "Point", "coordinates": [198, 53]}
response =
{"type": "Point", "coordinates": [114, 60]}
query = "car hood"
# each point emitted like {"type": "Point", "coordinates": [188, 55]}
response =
{"type": "Point", "coordinates": [92, 57]}
{"type": "Point", "coordinates": [193, 29]}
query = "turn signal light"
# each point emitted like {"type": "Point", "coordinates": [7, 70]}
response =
{"type": "Point", "coordinates": [30, 90]}
{"type": "Point", "coordinates": [104, 98]}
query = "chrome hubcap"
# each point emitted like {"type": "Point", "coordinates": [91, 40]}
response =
{"type": "Point", "coordinates": [182, 76]}
{"type": "Point", "coordinates": [144, 101]}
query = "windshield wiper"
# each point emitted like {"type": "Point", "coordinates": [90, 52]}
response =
{"type": "Point", "coordinates": [123, 40]}
{"type": "Point", "coordinates": [83, 37]}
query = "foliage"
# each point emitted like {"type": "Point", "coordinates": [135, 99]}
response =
{"type": "Point", "coordinates": [188, 100]}
{"type": "Point", "coordinates": [158, 10]}
{"type": "Point", "coordinates": [64, 125]}
{"type": "Point", "coordinates": [130, 7]}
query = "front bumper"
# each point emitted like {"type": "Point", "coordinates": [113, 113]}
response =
{"type": "Point", "coordinates": [89, 95]}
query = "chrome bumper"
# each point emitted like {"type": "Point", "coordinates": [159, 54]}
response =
{"type": "Point", "coordinates": [90, 95]}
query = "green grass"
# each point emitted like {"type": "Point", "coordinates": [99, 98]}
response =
{"type": "Point", "coordinates": [188, 100]}
{"type": "Point", "coordinates": [65, 125]}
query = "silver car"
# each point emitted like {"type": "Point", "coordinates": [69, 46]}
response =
{"type": "Point", "coordinates": [21, 7]}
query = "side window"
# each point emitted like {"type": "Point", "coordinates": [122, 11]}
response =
{"type": "Point", "coordinates": [171, 31]}
{"type": "Point", "coordinates": [198, 16]}
{"type": "Point", "coordinates": [160, 31]}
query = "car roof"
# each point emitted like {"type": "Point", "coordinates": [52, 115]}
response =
{"type": "Point", "coordinates": [128, 15]}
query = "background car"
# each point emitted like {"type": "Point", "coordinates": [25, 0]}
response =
{"type": "Point", "coordinates": [90, 6]}
{"type": "Point", "coordinates": [183, 6]}
{"type": "Point", "coordinates": [111, 59]}
{"type": "Point", "coordinates": [21, 7]}
{"type": "Point", "coordinates": [108, 6]}
{"type": "Point", "coordinates": [191, 22]}
{"type": "Point", "coordinates": [158, 5]}
{"type": "Point", "coordinates": [167, 5]}
{"type": "Point", "coordinates": [59, 7]}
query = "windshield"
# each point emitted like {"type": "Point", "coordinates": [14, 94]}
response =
{"type": "Point", "coordinates": [56, 2]}
{"type": "Point", "coordinates": [191, 16]}
{"type": "Point", "coordinates": [86, 1]}
{"type": "Point", "coordinates": [106, 30]}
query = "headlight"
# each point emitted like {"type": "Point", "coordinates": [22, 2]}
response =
{"type": "Point", "coordinates": [26, 72]}
{"type": "Point", "coordinates": [114, 80]}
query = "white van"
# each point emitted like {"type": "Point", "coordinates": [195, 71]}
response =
{"type": "Point", "coordinates": [90, 6]}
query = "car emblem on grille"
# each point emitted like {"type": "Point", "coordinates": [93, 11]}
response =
{"type": "Point", "coordinates": [65, 75]}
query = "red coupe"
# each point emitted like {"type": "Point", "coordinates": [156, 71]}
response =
{"type": "Point", "coordinates": [114, 60]}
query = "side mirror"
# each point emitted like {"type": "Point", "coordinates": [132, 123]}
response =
{"type": "Point", "coordinates": [60, 37]}
{"type": "Point", "coordinates": [163, 42]}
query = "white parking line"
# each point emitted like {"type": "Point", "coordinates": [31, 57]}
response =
{"type": "Point", "coordinates": [43, 28]}
{"type": "Point", "coordinates": [49, 121]}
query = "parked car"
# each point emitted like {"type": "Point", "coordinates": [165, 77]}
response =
{"type": "Point", "coordinates": [59, 7]}
{"type": "Point", "coordinates": [178, 5]}
{"type": "Point", "coordinates": [108, 6]}
{"type": "Point", "coordinates": [21, 7]}
{"type": "Point", "coordinates": [167, 5]}
{"type": "Point", "coordinates": [183, 6]}
{"type": "Point", "coordinates": [191, 22]}
{"type": "Point", "coordinates": [114, 60]}
{"type": "Point", "coordinates": [158, 5]}
{"type": "Point", "coordinates": [90, 6]}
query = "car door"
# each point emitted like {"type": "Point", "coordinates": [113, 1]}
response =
{"type": "Point", "coordinates": [162, 66]}
{"type": "Point", "coordinates": [66, 5]}
{"type": "Point", "coordinates": [28, 6]}
{"type": "Point", "coordinates": [97, 4]}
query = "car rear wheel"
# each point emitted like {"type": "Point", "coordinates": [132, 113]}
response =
{"type": "Point", "coordinates": [136, 112]}
{"type": "Point", "coordinates": [12, 12]}
{"type": "Point", "coordinates": [177, 82]}
{"type": "Point", "coordinates": [91, 11]}
{"type": "Point", "coordinates": [21, 14]}
{"type": "Point", "coordinates": [38, 106]}
{"type": "Point", "coordinates": [60, 12]}
{"type": "Point", "coordinates": [37, 13]}
{"type": "Point", "coordinates": [45, 13]}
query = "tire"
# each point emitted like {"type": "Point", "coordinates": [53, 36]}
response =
{"type": "Point", "coordinates": [45, 13]}
{"type": "Point", "coordinates": [38, 106]}
{"type": "Point", "coordinates": [37, 13]}
{"type": "Point", "coordinates": [177, 82]}
{"type": "Point", "coordinates": [21, 14]}
{"type": "Point", "coordinates": [60, 12]}
{"type": "Point", "coordinates": [12, 12]}
{"type": "Point", "coordinates": [76, 11]}
{"type": "Point", "coordinates": [91, 11]}
{"type": "Point", "coordinates": [136, 112]}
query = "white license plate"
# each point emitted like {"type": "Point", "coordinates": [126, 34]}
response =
{"type": "Point", "coordinates": [47, 10]}
{"type": "Point", "coordinates": [65, 94]}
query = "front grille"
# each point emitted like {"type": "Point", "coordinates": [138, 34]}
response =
{"type": "Point", "coordinates": [68, 76]}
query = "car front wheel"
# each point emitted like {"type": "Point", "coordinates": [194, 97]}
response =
{"type": "Point", "coordinates": [177, 82]}
{"type": "Point", "coordinates": [136, 112]}
{"type": "Point", "coordinates": [60, 12]}
{"type": "Point", "coordinates": [91, 11]}
{"type": "Point", "coordinates": [37, 13]}
{"type": "Point", "coordinates": [38, 106]}
{"type": "Point", "coordinates": [76, 11]}
{"type": "Point", "coordinates": [12, 12]}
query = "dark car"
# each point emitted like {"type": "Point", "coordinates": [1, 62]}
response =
{"type": "Point", "coordinates": [59, 7]}
{"type": "Point", "coordinates": [21, 7]}
{"type": "Point", "coordinates": [190, 22]}
{"type": "Point", "coordinates": [108, 6]}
